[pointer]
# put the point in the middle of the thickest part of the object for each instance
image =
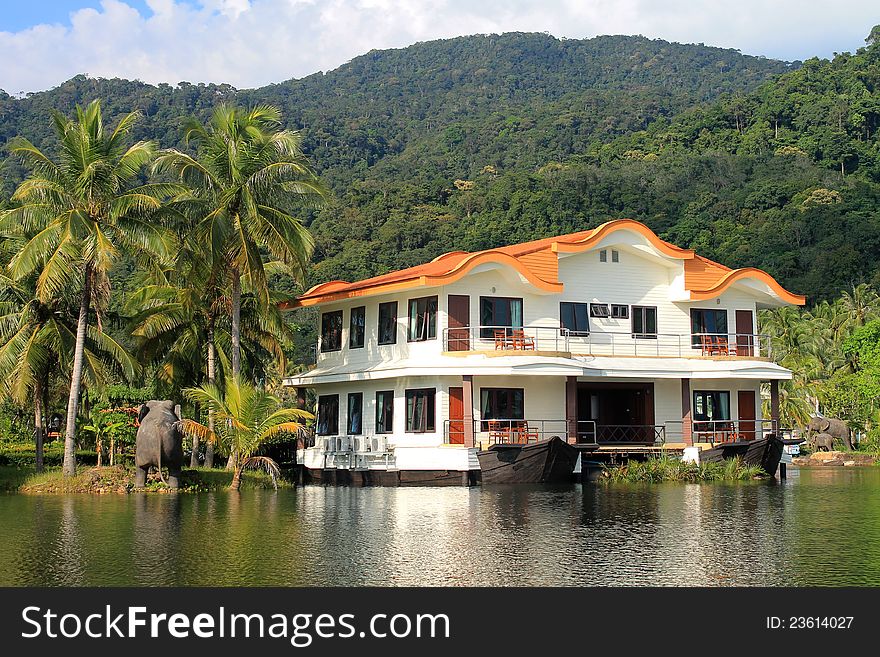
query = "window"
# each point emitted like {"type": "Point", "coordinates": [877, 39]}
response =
{"type": "Point", "coordinates": [356, 325]}
{"type": "Point", "coordinates": [644, 322]}
{"type": "Point", "coordinates": [388, 322]}
{"type": "Point", "coordinates": [619, 311]}
{"type": "Point", "coordinates": [573, 316]}
{"type": "Point", "coordinates": [420, 410]}
{"type": "Point", "coordinates": [385, 411]}
{"type": "Point", "coordinates": [615, 256]}
{"type": "Point", "coordinates": [328, 415]}
{"type": "Point", "coordinates": [603, 255]}
{"type": "Point", "coordinates": [501, 404]}
{"type": "Point", "coordinates": [355, 413]}
{"type": "Point", "coordinates": [422, 319]}
{"type": "Point", "coordinates": [499, 312]}
{"type": "Point", "coordinates": [331, 331]}
{"type": "Point", "coordinates": [705, 321]}
{"type": "Point", "coordinates": [599, 310]}
{"type": "Point", "coordinates": [710, 406]}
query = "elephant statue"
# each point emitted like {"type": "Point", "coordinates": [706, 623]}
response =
{"type": "Point", "coordinates": [822, 442]}
{"type": "Point", "coordinates": [832, 426]}
{"type": "Point", "coordinates": [159, 442]}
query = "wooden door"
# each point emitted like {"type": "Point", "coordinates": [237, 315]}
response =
{"type": "Point", "coordinates": [745, 400]}
{"type": "Point", "coordinates": [459, 320]}
{"type": "Point", "coordinates": [745, 327]}
{"type": "Point", "coordinates": [456, 416]}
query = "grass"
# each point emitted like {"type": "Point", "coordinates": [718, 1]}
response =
{"type": "Point", "coordinates": [666, 468]}
{"type": "Point", "coordinates": [119, 479]}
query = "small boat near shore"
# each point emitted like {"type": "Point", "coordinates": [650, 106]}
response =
{"type": "Point", "coordinates": [764, 452]}
{"type": "Point", "coordinates": [546, 462]}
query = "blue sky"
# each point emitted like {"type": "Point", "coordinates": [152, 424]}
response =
{"type": "Point", "coordinates": [250, 43]}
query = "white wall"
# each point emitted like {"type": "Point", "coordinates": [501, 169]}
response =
{"type": "Point", "coordinates": [637, 279]}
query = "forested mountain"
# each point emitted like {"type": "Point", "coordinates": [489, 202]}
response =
{"type": "Point", "coordinates": [479, 141]}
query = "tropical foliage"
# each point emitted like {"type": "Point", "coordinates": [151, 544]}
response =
{"type": "Point", "coordinates": [246, 418]}
{"type": "Point", "coordinates": [832, 351]}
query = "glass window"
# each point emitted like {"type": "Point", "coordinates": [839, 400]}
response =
{"type": "Point", "coordinates": [599, 310]}
{"type": "Point", "coordinates": [356, 326]}
{"type": "Point", "coordinates": [355, 413]}
{"type": "Point", "coordinates": [388, 322]}
{"type": "Point", "coordinates": [573, 316]}
{"type": "Point", "coordinates": [619, 311]}
{"type": "Point", "coordinates": [502, 403]}
{"type": "Point", "coordinates": [603, 255]}
{"type": "Point", "coordinates": [707, 321]}
{"type": "Point", "coordinates": [499, 312]}
{"type": "Point", "coordinates": [615, 256]}
{"type": "Point", "coordinates": [328, 415]}
{"type": "Point", "coordinates": [385, 411]}
{"type": "Point", "coordinates": [422, 319]}
{"type": "Point", "coordinates": [644, 322]}
{"type": "Point", "coordinates": [420, 410]}
{"type": "Point", "coordinates": [710, 406]}
{"type": "Point", "coordinates": [331, 331]}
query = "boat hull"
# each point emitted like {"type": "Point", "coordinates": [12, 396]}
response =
{"type": "Point", "coordinates": [546, 462]}
{"type": "Point", "coordinates": [763, 452]}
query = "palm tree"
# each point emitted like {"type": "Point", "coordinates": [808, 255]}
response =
{"type": "Point", "coordinates": [36, 340]}
{"type": "Point", "coordinates": [183, 332]}
{"type": "Point", "coordinates": [246, 179]}
{"type": "Point", "coordinates": [78, 216]}
{"type": "Point", "coordinates": [246, 419]}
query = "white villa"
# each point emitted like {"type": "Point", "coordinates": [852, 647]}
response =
{"type": "Point", "coordinates": [611, 339]}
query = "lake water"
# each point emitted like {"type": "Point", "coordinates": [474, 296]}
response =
{"type": "Point", "coordinates": [818, 527]}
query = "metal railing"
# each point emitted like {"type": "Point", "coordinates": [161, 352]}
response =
{"type": "Point", "coordinates": [605, 343]}
{"type": "Point", "coordinates": [631, 434]}
{"type": "Point", "coordinates": [719, 432]}
{"type": "Point", "coordinates": [508, 431]}
{"type": "Point", "coordinates": [505, 338]}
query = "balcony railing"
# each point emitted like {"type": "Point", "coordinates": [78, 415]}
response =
{"type": "Point", "coordinates": [719, 432]}
{"type": "Point", "coordinates": [605, 343]}
{"type": "Point", "coordinates": [506, 431]}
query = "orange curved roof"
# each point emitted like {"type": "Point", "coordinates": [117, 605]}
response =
{"type": "Point", "coordinates": [537, 262]}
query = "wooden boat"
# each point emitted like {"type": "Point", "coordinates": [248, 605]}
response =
{"type": "Point", "coordinates": [763, 452]}
{"type": "Point", "coordinates": [550, 461]}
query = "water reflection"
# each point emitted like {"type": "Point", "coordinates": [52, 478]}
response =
{"type": "Point", "coordinates": [817, 528]}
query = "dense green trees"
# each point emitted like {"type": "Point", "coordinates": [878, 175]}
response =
{"type": "Point", "coordinates": [88, 209]}
{"type": "Point", "coordinates": [833, 349]}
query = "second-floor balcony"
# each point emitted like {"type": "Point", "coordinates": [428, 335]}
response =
{"type": "Point", "coordinates": [513, 340]}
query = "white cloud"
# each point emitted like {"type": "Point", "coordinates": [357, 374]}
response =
{"type": "Point", "coordinates": [254, 42]}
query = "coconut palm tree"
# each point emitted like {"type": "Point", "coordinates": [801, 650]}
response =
{"type": "Point", "coordinates": [36, 341]}
{"type": "Point", "coordinates": [79, 214]}
{"type": "Point", "coordinates": [184, 331]}
{"type": "Point", "coordinates": [246, 419]}
{"type": "Point", "coordinates": [246, 179]}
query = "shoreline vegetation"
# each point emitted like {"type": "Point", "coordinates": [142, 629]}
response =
{"type": "Point", "coordinates": [118, 479]}
{"type": "Point", "coordinates": [668, 469]}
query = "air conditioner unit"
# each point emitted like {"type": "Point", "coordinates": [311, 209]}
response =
{"type": "Point", "coordinates": [357, 443]}
{"type": "Point", "coordinates": [378, 444]}
{"type": "Point", "coordinates": [343, 444]}
{"type": "Point", "coordinates": [329, 444]}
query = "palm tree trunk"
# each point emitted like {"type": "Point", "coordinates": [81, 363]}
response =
{"type": "Point", "coordinates": [69, 466]}
{"type": "Point", "coordinates": [236, 340]}
{"type": "Point", "coordinates": [212, 373]}
{"type": "Point", "coordinates": [236, 322]}
{"type": "Point", "coordinates": [236, 478]}
{"type": "Point", "coordinates": [38, 424]}
{"type": "Point", "coordinates": [194, 457]}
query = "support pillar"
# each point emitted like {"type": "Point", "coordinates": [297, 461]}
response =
{"type": "Point", "coordinates": [686, 419]}
{"type": "Point", "coordinates": [774, 404]}
{"type": "Point", "coordinates": [571, 414]}
{"type": "Point", "coordinates": [467, 390]}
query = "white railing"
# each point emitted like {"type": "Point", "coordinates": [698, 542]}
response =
{"type": "Point", "coordinates": [605, 343]}
{"type": "Point", "coordinates": [503, 431]}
